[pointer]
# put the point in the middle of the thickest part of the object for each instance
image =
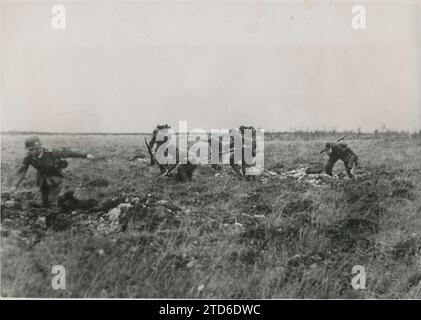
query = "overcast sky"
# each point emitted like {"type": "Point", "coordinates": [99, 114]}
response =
{"type": "Point", "coordinates": [124, 66]}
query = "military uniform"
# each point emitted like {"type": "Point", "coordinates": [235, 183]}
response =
{"type": "Point", "coordinates": [340, 151]}
{"type": "Point", "coordinates": [154, 143]}
{"type": "Point", "coordinates": [49, 164]}
{"type": "Point", "coordinates": [179, 171]}
{"type": "Point", "coordinates": [247, 142]}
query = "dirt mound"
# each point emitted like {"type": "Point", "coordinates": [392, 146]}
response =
{"type": "Point", "coordinates": [315, 168]}
{"type": "Point", "coordinates": [68, 202]}
{"type": "Point", "coordinates": [141, 213]}
{"type": "Point", "coordinates": [149, 212]}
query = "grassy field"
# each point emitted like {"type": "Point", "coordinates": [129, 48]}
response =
{"type": "Point", "coordinates": [221, 236]}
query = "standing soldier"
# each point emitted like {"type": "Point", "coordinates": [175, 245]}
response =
{"type": "Point", "coordinates": [49, 164]}
{"type": "Point", "coordinates": [247, 142]}
{"type": "Point", "coordinates": [155, 142]}
{"type": "Point", "coordinates": [340, 151]}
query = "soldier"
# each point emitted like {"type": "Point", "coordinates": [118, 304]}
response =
{"type": "Point", "coordinates": [156, 143]}
{"type": "Point", "coordinates": [49, 164]}
{"type": "Point", "coordinates": [218, 141]}
{"type": "Point", "coordinates": [180, 172]}
{"type": "Point", "coordinates": [340, 151]}
{"type": "Point", "coordinates": [247, 142]}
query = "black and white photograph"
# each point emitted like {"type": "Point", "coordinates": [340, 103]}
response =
{"type": "Point", "coordinates": [231, 149]}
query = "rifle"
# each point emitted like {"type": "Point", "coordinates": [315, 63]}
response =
{"type": "Point", "coordinates": [339, 140]}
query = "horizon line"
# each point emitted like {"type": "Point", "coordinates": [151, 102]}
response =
{"type": "Point", "coordinates": [331, 131]}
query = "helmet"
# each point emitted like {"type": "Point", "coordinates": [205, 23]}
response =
{"type": "Point", "coordinates": [162, 126]}
{"type": "Point", "coordinates": [32, 142]}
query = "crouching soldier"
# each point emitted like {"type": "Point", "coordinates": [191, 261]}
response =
{"type": "Point", "coordinates": [340, 151]}
{"type": "Point", "coordinates": [180, 171]}
{"type": "Point", "coordinates": [49, 164]}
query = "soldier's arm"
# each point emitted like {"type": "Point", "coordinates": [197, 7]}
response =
{"type": "Point", "coordinates": [67, 153]}
{"type": "Point", "coordinates": [20, 174]}
{"type": "Point", "coordinates": [356, 159]}
{"type": "Point", "coordinates": [351, 152]}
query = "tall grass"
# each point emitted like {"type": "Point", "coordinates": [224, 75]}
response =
{"type": "Point", "coordinates": [232, 238]}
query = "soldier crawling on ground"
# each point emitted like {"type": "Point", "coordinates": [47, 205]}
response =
{"type": "Point", "coordinates": [49, 164]}
{"type": "Point", "coordinates": [340, 151]}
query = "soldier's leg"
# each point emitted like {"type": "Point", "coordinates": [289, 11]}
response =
{"type": "Point", "coordinates": [55, 188]}
{"type": "Point", "coordinates": [349, 164]}
{"type": "Point", "coordinates": [190, 169]}
{"type": "Point", "coordinates": [44, 190]}
{"type": "Point", "coordinates": [356, 160]}
{"type": "Point", "coordinates": [329, 165]}
{"type": "Point", "coordinates": [237, 168]}
{"type": "Point", "coordinates": [163, 169]}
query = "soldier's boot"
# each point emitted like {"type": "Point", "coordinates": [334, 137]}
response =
{"type": "Point", "coordinates": [50, 219]}
{"type": "Point", "coordinates": [349, 172]}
